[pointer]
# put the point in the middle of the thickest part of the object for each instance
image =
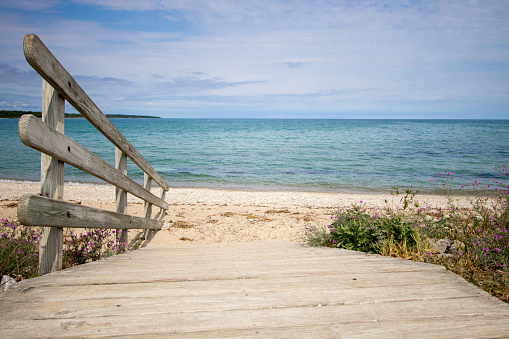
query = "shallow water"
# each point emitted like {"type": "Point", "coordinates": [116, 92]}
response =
{"type": "Point", "coordinates": [310, 155]}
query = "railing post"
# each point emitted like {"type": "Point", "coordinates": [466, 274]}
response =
{"type": "Point", "coordinates": [120, 194]}
{"type": "Point", "coordinates": [52, 182]}
{"type": "Point", "coordinates": [147, 183]}
{"type": "Point", "coordinates": [162, 211]}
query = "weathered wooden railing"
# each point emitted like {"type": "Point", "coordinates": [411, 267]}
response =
{"type": "Point", "coordinates": [48, 209]}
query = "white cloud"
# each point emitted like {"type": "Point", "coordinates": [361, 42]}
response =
{"type": "Point", "coordinates": [322, 55]}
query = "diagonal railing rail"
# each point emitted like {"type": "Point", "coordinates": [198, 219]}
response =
{"type": "Point", "coordinates": [47, 136]}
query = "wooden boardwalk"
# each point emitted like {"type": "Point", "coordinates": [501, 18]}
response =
{"type": "Point", "coordinates": [266, 289]}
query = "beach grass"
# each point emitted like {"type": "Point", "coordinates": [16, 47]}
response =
{"type": "Point", "coordinates": [471, 241]}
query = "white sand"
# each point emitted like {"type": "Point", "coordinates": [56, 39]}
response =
{"type": "Point", "coordinates": [208, 215]}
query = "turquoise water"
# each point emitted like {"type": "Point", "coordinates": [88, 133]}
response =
{"type": "Point", "coordinates": [309, 155]}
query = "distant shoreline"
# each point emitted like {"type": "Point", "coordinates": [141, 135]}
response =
{"type": "Point", "coordinates": [17, 114]}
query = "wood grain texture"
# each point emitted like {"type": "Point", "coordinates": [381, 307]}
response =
{"type": "Point", "coordinates": [147, 207]}
{"type": "Point", "coordinates": [162, 211]}
{"type": "Point", "coordinates": [34, 210]}
{"type": "Point", "coordinates": [50, 69]}
{"type": "Point", "coordinates": [120, 194]}
{"type": "Point", "coordinates": [52, 182]}
{"type": "Point", "coordinates": [260, 289]}
{"type": "Point", "coordinates": [37, 135]}
{"type": "Point", "coordinates": [52, 170]}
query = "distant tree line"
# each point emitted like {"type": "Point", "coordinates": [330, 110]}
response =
{"type": "Point", "coordinates": [18, 114]}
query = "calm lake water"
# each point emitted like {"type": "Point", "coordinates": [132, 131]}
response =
{"type": "Point", "coordinates": [305, 155]}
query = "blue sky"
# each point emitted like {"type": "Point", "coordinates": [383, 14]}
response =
{"type": "Point", "coordinates": [267, 59]}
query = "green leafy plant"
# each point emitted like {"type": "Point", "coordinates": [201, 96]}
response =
{"type": "Point", "coordinates": [357, 230]}
{"type": "Point", "coordinates": [318, 236]}
{"type": "Point", "coordinates": [353, 229]}
{"type": "Point", "coordinates": [408, 198]}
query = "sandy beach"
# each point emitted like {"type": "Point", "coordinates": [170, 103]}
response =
{"type": "Point", "coordinates": [211, 216]}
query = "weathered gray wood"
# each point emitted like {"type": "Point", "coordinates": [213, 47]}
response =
{"type": "Point", "coordinates": [43, 61]}
{"type": "Point", "coordinates": [52, 170]}
{"type": "Point", "coordinates": [35, 134]}
{"type": "Point", "coordinates": [147, 183]}
{"type": "Point", "coordinates": [52, 182]}
{"type": "Point", "coordinates": [268, 289]}
{"type": "Point", "coordinates": [162, 212]}
{"type": "Point", "coordinates": [120, 194]}
{"type": "Point", "coordinates": [35, 210]}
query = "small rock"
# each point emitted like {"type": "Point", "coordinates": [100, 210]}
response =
{"type": "Point", "coordinates": [455, 246]}
{"type": "Point", "coordinates": [7, 282]}
{"type": "Point", "coordinates": [447, 246]}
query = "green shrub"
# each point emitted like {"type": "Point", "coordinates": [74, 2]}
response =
{"type": "Point", "coordinates": [356, 229]}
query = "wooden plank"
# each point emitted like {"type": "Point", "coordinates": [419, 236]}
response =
{"type": "Point", "coordinates": [257, 275]}
{"type": "Point", "coordinates": [273, 323]}
{"type": "Point", "coordinates": [52, 182]}
{"type": "Point", "coordinates": [195, 302]}
{"type": "Point", "coordinates": [230, 294]}
{"type": "Point", "coordinates": [37, 135]}
{"type": "Point", "coordinates": [35, 210]}
{"type": "Point", "coordinates": [44, 63]}
{"type": "Point", "coordinates": [120, 194]}
{"type": "Point", "coordinates": [275, 284]}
